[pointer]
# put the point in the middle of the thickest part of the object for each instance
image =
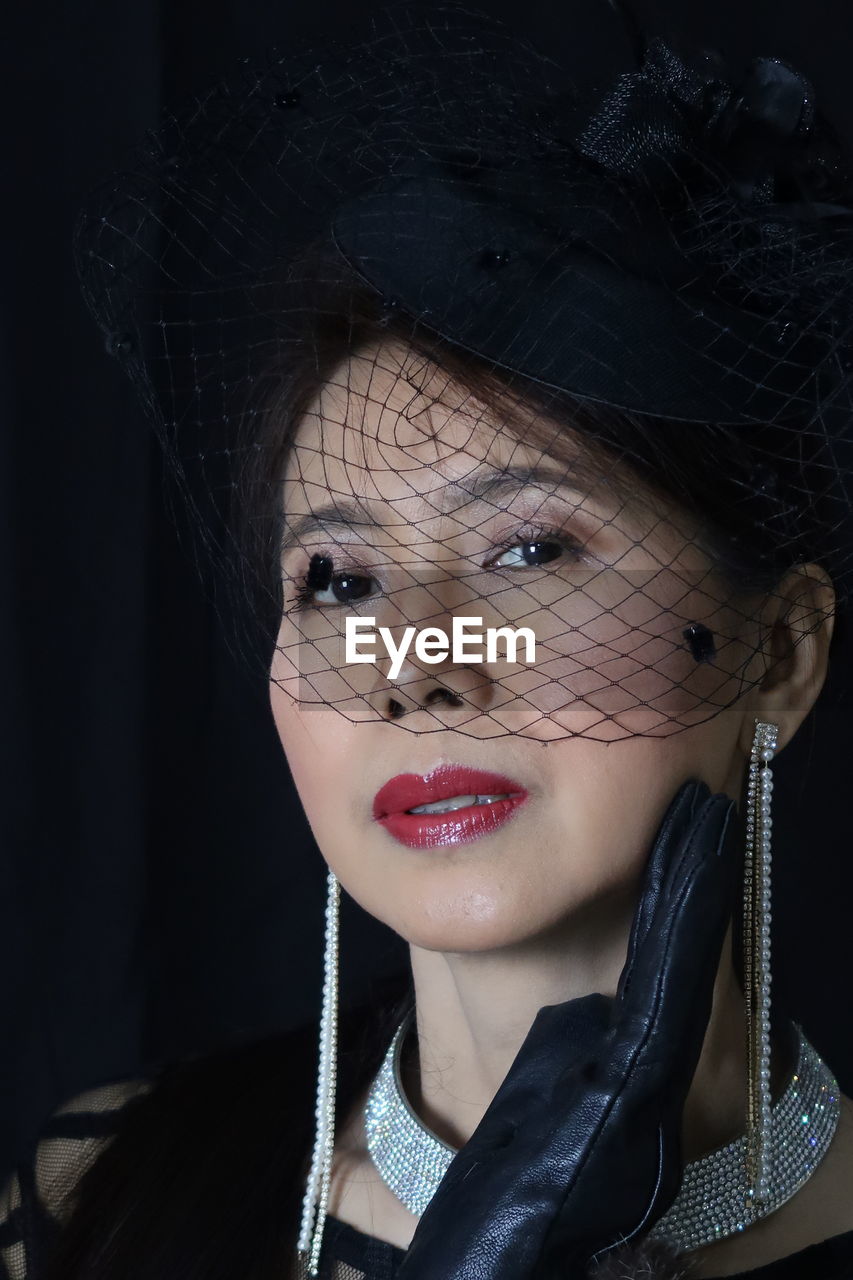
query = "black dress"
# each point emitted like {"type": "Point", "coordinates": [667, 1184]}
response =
{"type": "Point", "coordinates": [246, 1085]}
{"type": "Point", "coordinates": [361, 1257]}
{"type": "Point", "coordinates": [349, 1254]}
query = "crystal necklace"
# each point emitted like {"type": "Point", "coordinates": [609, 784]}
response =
{"type": "Point", "coordinates": [713, 1201]}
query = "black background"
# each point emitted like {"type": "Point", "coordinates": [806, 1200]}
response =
{"type": "Point", "coordinates": [159, 889]}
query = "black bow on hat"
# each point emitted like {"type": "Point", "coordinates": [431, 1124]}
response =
{"type": "Point", "coordinates": [648, 257]}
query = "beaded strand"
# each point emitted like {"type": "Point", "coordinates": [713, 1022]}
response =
{"type": "Point", "coordinates": [319, 1179]}
{"type": "Point", "coordinates": [757, 975]}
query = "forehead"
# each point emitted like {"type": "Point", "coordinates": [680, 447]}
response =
{"type": "Point", "coordinates": [391, 425]}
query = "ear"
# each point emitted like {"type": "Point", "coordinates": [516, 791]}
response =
{"type": "Point", "coordinates": [797, 625]}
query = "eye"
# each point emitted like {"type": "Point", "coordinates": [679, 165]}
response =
{"type": "Point", "coordinates": [528, 553]}
{"type": "Point", "coordinates": [344, 588]}
{"type": "Point", "coordinates": [320, 586]}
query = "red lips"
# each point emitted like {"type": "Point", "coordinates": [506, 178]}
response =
{"type": "Point", "coordinates": [460, 826]}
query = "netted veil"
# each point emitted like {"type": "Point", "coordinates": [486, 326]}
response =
{"type": "Point", "coordinates": [496, 408]}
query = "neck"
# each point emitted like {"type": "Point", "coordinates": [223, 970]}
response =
{"type": "Point", "coordinates": [475, 1009]}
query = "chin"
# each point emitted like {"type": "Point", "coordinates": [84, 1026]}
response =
{"type": "Point", "coordinates": [469, 921]}
{"type": "Point", "coordinates": [461, 937]}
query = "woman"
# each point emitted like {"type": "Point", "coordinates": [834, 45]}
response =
{"type": "Point", "coordinates": [570, 368]}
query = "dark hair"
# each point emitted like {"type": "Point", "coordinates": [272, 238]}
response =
{"type": "Point", "coordinates": [204, 1178]}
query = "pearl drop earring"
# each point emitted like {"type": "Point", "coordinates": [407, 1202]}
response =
{"type": "Point", "coordinates": [317, 1187]}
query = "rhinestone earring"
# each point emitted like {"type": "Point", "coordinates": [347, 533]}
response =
{"type": "Point", "coordinates": [756, 951]}
{"type": "Point", "coordinates": [316, 1199]}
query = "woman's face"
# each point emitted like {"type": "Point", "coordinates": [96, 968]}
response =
{"type": "Point", "coordinates": [435, 510]}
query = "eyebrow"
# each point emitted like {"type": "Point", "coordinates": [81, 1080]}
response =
{"type": "Point", "coordinates": [487, 486]}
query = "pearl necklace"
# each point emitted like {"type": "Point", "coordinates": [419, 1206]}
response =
{"type": "Point", "coordinates": [714, 1199]}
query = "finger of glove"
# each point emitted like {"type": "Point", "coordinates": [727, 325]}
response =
{"type": "Point", "coordinates": [663, 1014]}
{"type": "Point", "coordinates": [673, 829]}
{"type": "Point", "coordinates": [635, 1102]}
{"type": "Point", "coordinates": [563, 1038]}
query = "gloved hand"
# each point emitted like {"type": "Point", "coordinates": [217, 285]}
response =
{"type": "Point", "coordinates": [580, 1149]}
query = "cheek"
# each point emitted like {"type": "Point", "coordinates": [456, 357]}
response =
{"type": "Point", "coordinates": [317, 743]}
{"type": "Point", "coordinates": [608, 801]}
{"type": "Point", "coordinates": [605, 809]}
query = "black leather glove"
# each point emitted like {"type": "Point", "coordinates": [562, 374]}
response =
{"type": "Point", "coordinates": [580, 1149]}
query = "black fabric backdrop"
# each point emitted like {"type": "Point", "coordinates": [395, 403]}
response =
{"type": "Point", "coordinates": [159, 889]}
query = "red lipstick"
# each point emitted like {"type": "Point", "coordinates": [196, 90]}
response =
{"type": "Point", "coordinates": [457, 826]}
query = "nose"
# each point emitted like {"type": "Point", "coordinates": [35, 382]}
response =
{"type": "Point", "coordinates": [396, 708]}
{"type": "Point", "coordinates": [437, 688]}
{"type": "Point", "coordinates": [446, 694]}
